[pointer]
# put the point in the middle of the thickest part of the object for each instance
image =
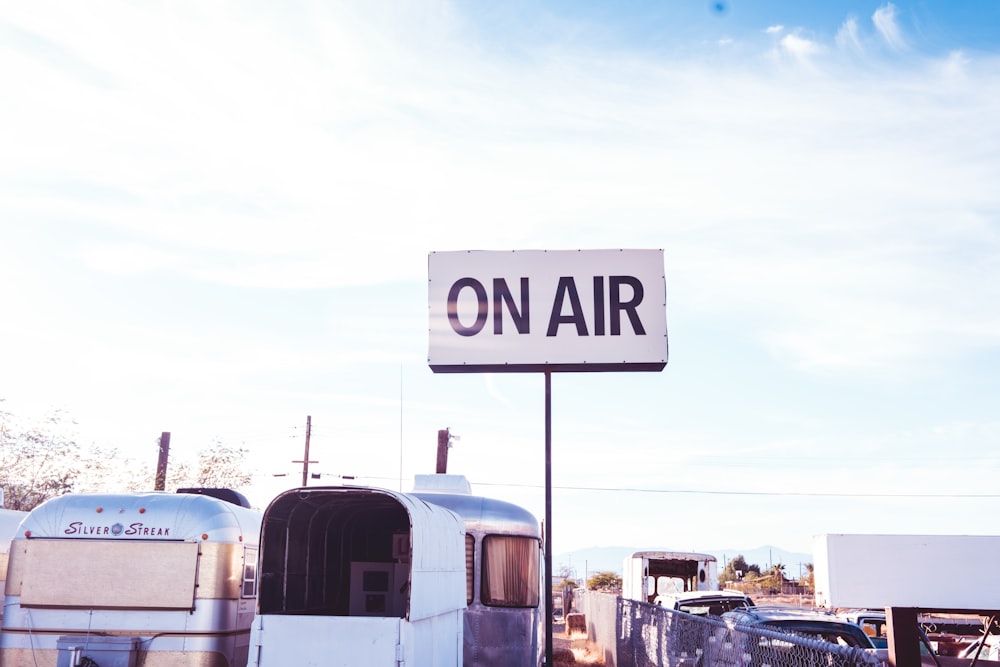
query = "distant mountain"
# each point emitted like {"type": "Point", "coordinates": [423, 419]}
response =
{"type": "Point", "coordinates": [585, 562]}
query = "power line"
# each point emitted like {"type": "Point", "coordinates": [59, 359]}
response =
{"type": "Point", "coordinates": [783, 494]}
{"type": "Point", "coordinates": [716, 492]}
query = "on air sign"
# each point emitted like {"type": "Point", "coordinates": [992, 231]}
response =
{"type": "Point", "coordinates": [538, 310]}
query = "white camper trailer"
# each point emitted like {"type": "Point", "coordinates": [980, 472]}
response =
{"type": "Point", "coordinates": [648, 575]}
{"type": "Point", "coordinates": [359, 576]}
{"type": "Point", "coordinates": [122, 580]}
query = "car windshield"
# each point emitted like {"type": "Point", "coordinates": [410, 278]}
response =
{"type": "Point", "coordinates": [714, 607]}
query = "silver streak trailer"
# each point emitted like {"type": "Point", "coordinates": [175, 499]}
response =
{"type": "Point", "coordinates": [123, 580]}
{"type": "Point", "coordinates": [356, 576]}
{"type": "Point", "coordinates": [503, 553]}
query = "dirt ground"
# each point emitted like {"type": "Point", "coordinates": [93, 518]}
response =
{"type": "Point", "coordinates": [572, 650]}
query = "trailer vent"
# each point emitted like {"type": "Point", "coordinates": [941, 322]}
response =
{"type": "Point", "coordinates": [228, 495]}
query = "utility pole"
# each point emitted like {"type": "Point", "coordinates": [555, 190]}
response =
{"type": "Point", "coordinates": [305, 459]}
{"type": "Point", "coordinates": [161, 465]}
{"type": "Point", "coordinates": [442, 451]}
{"type": "Point", "coordinates": [444, 444]}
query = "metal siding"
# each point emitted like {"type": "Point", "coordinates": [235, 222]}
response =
{"type": "Point", "coordinates": [220, 572]}
{"type": "Point", "coordinates": [325, 641]}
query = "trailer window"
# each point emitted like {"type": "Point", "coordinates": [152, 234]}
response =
{"type": "Point", "coordinates": [249, 589]}
{"type": "Point", "coordinates": [510, 571]}
{"type": "Point", "coordinates": [470, 566]}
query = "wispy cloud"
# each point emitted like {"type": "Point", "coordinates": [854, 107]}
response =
{"type": "Point", "coordinates": [848, 39]}
{"type": "Point", "coordinates": [885, 23]}
{"type": "Point", "coordinates": [344, 146]}
{"type": "Point", "coordinates": [218, 214]}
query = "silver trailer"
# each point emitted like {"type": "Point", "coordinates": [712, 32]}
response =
{"type": "Point", "coordinates": [356, 576]}
{"type": "Point", "coordinates": [504, 618]}
{"type": "Point", "coordinates": [128, 580]}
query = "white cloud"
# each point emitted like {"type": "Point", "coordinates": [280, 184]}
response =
{"type": "Point", "coordinates": [337, 148]}
{"type": "Point", "coordinates": [848, 38]}
{"type": "Point", "coordinates": [885, 23]}
{"type": "Point", "coordinates": [800, 47]}
{"type": "Point", "coordinates": [829, 228]}
{"type": "Point", "coordinates": [955, 65]}
{"type": "Point", "coordinates": [124, 259]}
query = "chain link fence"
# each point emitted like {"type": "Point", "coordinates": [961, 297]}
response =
{"type": "Point", "coordinates": [651, 636]}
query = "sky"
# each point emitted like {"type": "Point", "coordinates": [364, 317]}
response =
{"type": "Point", "coordinates": [215, 221]}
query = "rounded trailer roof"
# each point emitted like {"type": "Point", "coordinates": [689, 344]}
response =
{"type": "Point", "coordinates": [187, 516]}
{"type": "Point", "coordinates": [486, 515]}
{"type": "Point", "coordinates": [482, 515]}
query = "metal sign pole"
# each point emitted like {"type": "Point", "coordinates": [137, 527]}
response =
{"type": "Point", "coordinates": [548, 518]}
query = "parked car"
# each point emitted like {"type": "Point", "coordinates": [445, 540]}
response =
{"type": "Point", "coordinates": [872, 621]}
{"type": "Point", "coordinates": [686, 627]}
{"type": "Point", "coordinates": [737, 645]}
{"type": "Point", "coordinates": [704, 603]}
{"type": "Point", "coordinates": [874, 624]}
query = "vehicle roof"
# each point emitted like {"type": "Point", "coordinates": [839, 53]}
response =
{"type": "Point", "coordinates": [855, 615]}
{"type": "Point", "coordinates": [673, 555]}
{"type": "Point", "coordinates": [763, 614]}
{"type": "Point", "coordinates": [796, 618]}
{"type": "Point", "coordinates": [706, 595]}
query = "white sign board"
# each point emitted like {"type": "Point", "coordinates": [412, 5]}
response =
{"type": "Point", "coordinates": [944, 572]}
{"type": "Point", "coordinates": [536, 310]}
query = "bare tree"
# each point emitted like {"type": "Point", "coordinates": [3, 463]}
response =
{"type": "Point", "coordinates": [108, 471]}
{"type": "Point", "coordinates": [219, 466]}
{"type": "Point", "coordinates": [43, 460]}
{"type": "Point", "coordinates": [37, 462]}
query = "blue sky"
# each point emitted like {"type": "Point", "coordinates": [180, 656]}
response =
{"type": "Point", "coordinates": [215, 221]}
